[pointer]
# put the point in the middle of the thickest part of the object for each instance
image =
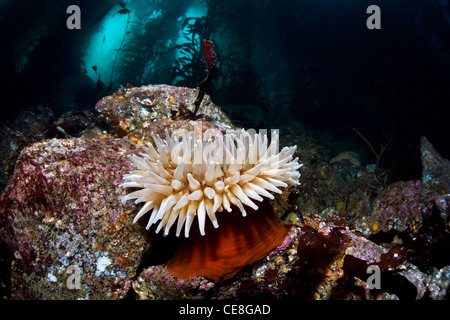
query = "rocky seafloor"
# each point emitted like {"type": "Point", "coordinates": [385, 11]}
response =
{"type": "Point", "coordinates": [61, 214]}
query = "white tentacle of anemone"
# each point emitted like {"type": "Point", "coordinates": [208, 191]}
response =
{"type": "Point", "coordinates": [185, 176]}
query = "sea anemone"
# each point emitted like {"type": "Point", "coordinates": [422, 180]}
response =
{"type": "Point", "coordinates": [192, 174]}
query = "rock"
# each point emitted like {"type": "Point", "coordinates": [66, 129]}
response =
{"type": "Point", "coordinates": [436, 215]}
{"type": "Point", "coordinates": [29, 126]}
{"type": "Point", "coordinates": [330, 263]}
{"type": "Point", "coordinates": [131, 109]}
{"type": "Point", "coordinates": [156, 283]}
{"type": "Point", "coordinates": [62, 209]}
{"type": "Point", "coordinates": [439, 283]}
{"type": "Point", "coordinates": [349, 156]}
{"type": "Point", "coordinates": [435, 169]}
{"type": "Point", "coordinates": [395, 208]}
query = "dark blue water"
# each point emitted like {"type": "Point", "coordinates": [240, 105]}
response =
{"type": "Point", "coordinates": [313, 65]}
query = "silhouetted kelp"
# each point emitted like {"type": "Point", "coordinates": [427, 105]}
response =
{"type": "Point", "coordinates": [186, 70]}
{"type": "Point", "coordinates": [126, 11]}
{"type": "Point", "coordinates": [377, 154]}
{"type": "Point", "coordinates": [211, 63]}
{"type": "Point", "coordinates": [212, 68]}
{"type": "Point", "coordinates": [148, 53]}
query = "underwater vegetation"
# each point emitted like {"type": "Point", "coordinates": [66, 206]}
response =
{"type": "Point", "coordinates": [269, 54]}
{"type": "Point", "coordinates": [187, 67]}
{"type": "Point", "coordinates": [146, 53]}
{"type": "Point", "coordinates": [379, 154]}
{"type": "Point", "coordinates": [211, 71]}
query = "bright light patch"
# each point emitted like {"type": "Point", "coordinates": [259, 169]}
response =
{"type": "Point", "coordinates": [196, 10]}
{"type": "Point", "coordinates": [101, 51]}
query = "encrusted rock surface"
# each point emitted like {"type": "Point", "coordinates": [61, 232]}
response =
{"type": "Point", "coordinates": [395, 208]}
{"type": "Point", "coordinates": [130, 109]}
{"type": "Point", "coordinates": [61, 209]}
{"type": "Point", "coordinates": [435, 169]}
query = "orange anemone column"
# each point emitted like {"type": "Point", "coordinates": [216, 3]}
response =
{"type": "Point", "coordinates": [239, 241]}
